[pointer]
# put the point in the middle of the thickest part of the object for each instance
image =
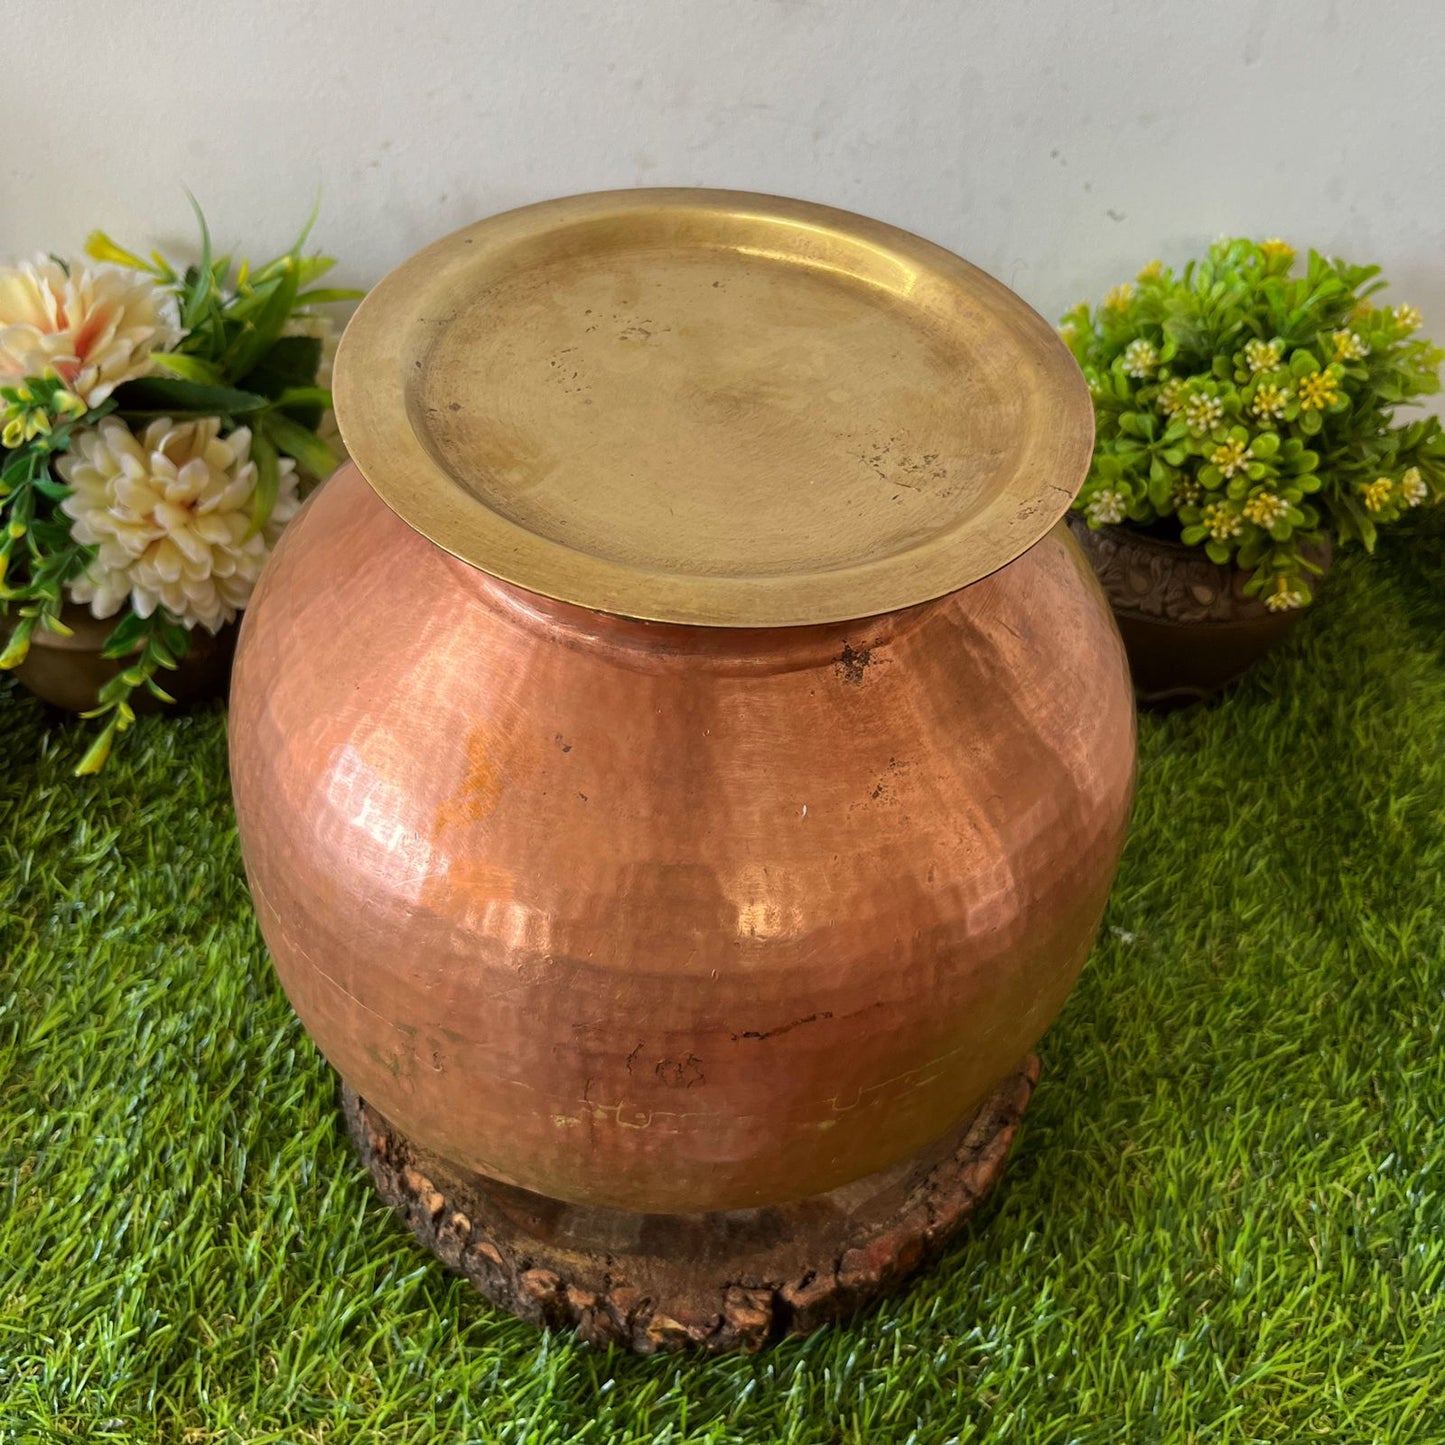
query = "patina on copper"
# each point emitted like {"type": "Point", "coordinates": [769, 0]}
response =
{"type": "Point", "coordinates": [709, 907]}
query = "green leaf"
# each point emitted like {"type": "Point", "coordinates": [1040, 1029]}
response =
{"type": "Point", "coordinates": [165, 394]}
{"type": "Point", "coordinates": [98, 752]}
{"type": "Point", "coordinates": [312, 268]}
{"type": "Point", "coordinates": [311, 397]}
{"type": "Point", "coordinates": [126, 636]}
{"type": "Point", "coordinates": [268, 479]}
{"type": "Point", "coordinates": [290, 361]}
{"type": "Point", "coordinates": [18, 644]}
{"type": "Point", "coordinates": [304, 446]}
{"type": "Point", "coordinates": [188, 368]}
{"type": "Point", "coordinates": [262, 329]}
{"type": "Point", "coordinates": [200, 287]}
{"type": "Point", "coordinates": [325, 295]}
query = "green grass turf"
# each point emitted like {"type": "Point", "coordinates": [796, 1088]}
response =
{"type": "Point", "coordinates": [1225, 1219]}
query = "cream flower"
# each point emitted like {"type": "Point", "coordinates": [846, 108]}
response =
{"type": "Point", "coordinates": [1141, 358]}
{"type": "Point", "coordinates": [1172, 395]}
{"type": "Point", "coordinates": [1222, 522]}
{"type": "Point", "coordinates": [1284, 597]}
{"type": "Point", "coordinates": [1413, 490]}
{"type": "Point", "coordinates": [1262, 355]}
{"type": "Point", "coordinates": [1231, 456]}
{"type": "Point", "coordinates": [1264, 509]}
{"type": "Point", "coordinates": [94, 328]}
{"type": "Point", "coordinates": [170, 512]}
{"type": "Point", "coordinates": [1105, 507]}
{"type": "Point", "coordinates": [1407, 317]}
{"type": "Point", "coordinates": [1349, 345]}
{"type": "Point", "coordinates": [1269, 400]}
{"type": "Point", "coordinates": [1202, 412]}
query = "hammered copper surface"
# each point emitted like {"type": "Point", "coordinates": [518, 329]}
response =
{"type": "Point", "coordinates": [670, 918]}
{"type": "Point", "coordinates": [712, 407]}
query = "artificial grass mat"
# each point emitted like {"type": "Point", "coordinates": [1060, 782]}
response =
{"type": "Point", "coordinates": [1224, 1220]}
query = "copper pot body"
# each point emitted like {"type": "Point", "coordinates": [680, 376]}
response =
{"type": "Point", "coordinates": [661, 917]}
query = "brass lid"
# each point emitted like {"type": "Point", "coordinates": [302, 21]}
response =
{"type": "Point", "coordinates": [712, 407]}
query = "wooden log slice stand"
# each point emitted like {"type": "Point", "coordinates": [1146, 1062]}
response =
{"type": "Point", "coordinates": [732, 1280]}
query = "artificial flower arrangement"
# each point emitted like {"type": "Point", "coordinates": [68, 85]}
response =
{"type": "Point", "coordinates": [1250, 410]}
{"type": "Point", "coordinates": [159, 425]}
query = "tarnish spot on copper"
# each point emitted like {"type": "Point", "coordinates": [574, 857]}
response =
{"type": "Point", "coordinates": [481, 787]}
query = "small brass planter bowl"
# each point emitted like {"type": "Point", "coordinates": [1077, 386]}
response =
{"type": "Point", "coordinates": [68, 672]}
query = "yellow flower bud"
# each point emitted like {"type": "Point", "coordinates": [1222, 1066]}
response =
{"type": "Point", "coordinates": [15, 650]}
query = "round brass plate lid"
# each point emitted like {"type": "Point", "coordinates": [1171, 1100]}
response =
{"type": "Point", "coordinates": [712, 407]}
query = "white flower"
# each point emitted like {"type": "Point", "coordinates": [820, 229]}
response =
{"type": "Point", "coordinates": [1141, 357]}
{"type": "Point", "coordinates": [94, 328]}
{"type": "Point", "coordinates": [1284, 598]}
{"type": "Point", "coordinates": [1349, 345]}
{"type": "Point", "coordinates": [1202, 412]}
{"type": "Point", "coordinates": [1231, 456]}
{"type": "Point", "coordinates": [1222, 522]}
{"type": "Point", "coordinates": [1262, 355]}
{"type": "Point", "coordinates": [1407, 317]}
{"type": "Point", "coordinates": [1264, 509]}
{"type": "Point", "coordinates": [1413, 490]}
{"type": "Point", "coordinates": [1171, 395]}
{"type": "Point", "coordinates": [170, 512]}
{"type": "Point", "coordinates": [1105, 507]}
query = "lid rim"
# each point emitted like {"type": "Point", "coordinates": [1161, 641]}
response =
{"type": "Point", "coordinates": [1050, 442]}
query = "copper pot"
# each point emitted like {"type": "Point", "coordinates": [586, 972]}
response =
{"type": "Point", "coordinates": [629, 855]}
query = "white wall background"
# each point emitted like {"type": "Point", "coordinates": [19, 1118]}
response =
{"type": "Point", "coordinates": [1057, 143]}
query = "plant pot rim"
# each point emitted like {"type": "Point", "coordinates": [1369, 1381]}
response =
{"type": "Point", "coordinates": [1181, 555]}
{"type": "Point", "coordinates": [88, 633]}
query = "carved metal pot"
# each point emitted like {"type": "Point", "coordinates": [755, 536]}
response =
{"type": "Point", "coordinates": [1188, 627]}
{"type": "Point", "coordinates": [680, 780]}
{"type": "Point", "coordinates": [69, 672]}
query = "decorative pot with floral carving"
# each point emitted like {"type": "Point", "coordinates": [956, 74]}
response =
{"type": "Point", "coordinates": [1187, 625]}
{"type": "Point", "coordinates": [681, 765]}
